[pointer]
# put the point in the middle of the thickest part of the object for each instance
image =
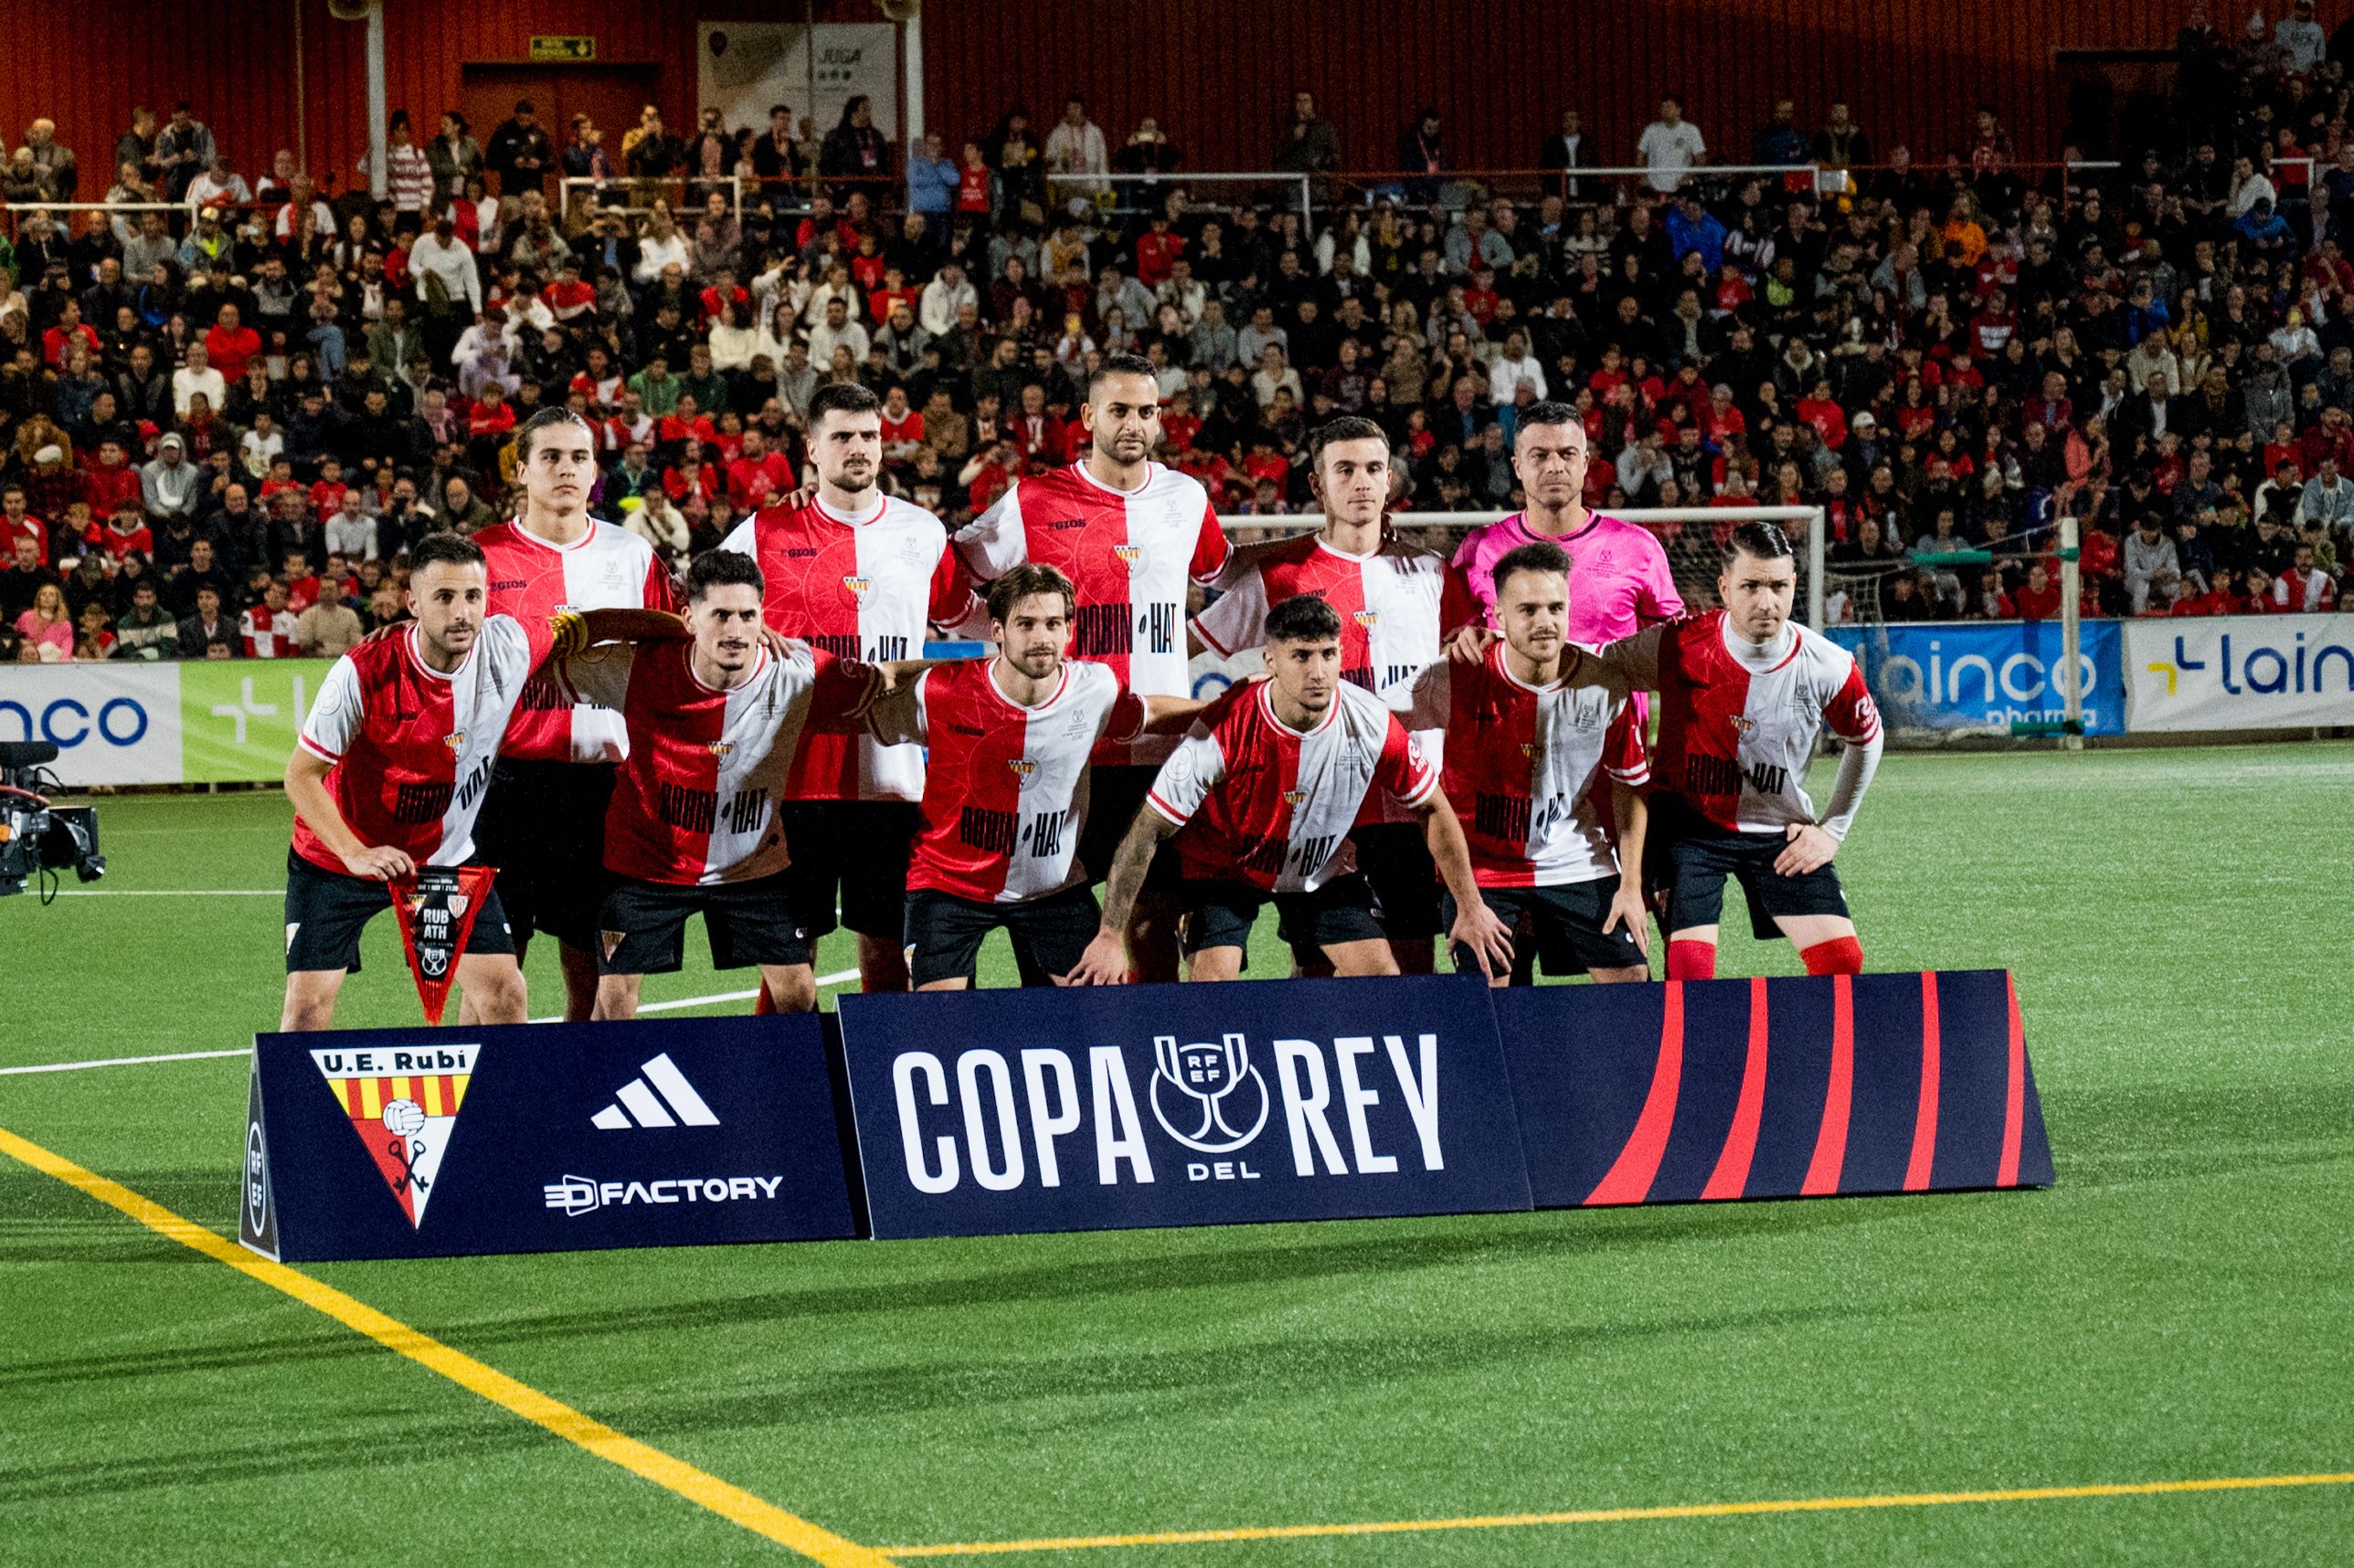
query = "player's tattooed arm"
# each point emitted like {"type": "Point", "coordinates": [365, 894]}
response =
{"type": "Point", "coordinates": [1105, 961]}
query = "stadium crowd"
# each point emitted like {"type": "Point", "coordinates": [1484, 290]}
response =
{"type": "Point", "coordinates": [225, 423]}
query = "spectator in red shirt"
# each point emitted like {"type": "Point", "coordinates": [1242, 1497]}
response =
{"type": "Point", "coordinates": [17, 523]}
{"type": "Point", "coordinates": [758, 475]}
{"type": "Point", "coordinates": [2037, 599]}
{"type": "Point", "coordinates": [1156, 249]}
{"type": "Point", "coordinates": [902, 427]}
{"type": "Point", "coordinates": [231, 345]}
{"type": "Point", "coordinates": [302, 587]}
{"type": "Point", "coordinates": [124, 532]}
{"type": "Point", "coordinates": [70, 331]}
{"type": "Point", "coordinates": [327, 491]}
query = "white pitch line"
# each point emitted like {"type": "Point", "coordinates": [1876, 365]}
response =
{"type": "Point", "coordinates": [171, 892]}
{"type": "Point", "coordinates": [125, 1061]}
{"type": "Point", "coordinates": [211, 1055]}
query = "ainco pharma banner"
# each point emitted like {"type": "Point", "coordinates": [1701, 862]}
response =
{"type": "Point", "coordinates": [2241, 672]}
{"type": "Point", "coordinates": [219, 721]}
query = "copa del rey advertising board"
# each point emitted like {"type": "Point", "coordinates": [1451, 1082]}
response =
{"type": "Point", "coordinates": [984, 1112]}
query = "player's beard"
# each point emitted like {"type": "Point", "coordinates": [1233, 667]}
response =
{"type": "Point", "coordinates": [1038, 662]}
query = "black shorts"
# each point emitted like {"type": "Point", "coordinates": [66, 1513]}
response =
{"type": "Point", "coordinates": [542, 825]}
{"type": "Point", "coordinates": [1219, 914]}
{"type": "Point", "coordinates": [1116, 792]}
{"type": "Point", "coordinates": [1559, 927]}
{"type": "Point", "coordinates": [325, 911]}
{"type": "Point", "coordinates": [1049, 934]}
{"type": "Point", "coordinates": [1694, 857]}
{"type": "Point", "coordinates": [641, 926]}
{"type": "Point", "coordinates": [850, 855]}
{"type": "Point", "coordinates": [1394, 860]}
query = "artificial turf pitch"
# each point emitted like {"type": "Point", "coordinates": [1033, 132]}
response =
{"type": "Point", "coordinates": [2176, 1308]}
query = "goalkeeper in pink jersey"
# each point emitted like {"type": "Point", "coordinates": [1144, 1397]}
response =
{"type": "Point", "coordinates": [1620, 573]}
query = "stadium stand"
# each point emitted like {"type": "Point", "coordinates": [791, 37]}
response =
{"type": "Point", "coordinates": [227, 407]}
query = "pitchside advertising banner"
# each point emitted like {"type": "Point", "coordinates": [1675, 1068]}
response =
{"type": "Point", "coordinates": [435, 1143]}
{"type": "Point", "coordinates": [2241, 672]}
{"type": "Point", "coordinates": [1960, 675]}
{"type": "Point", "coordinates": [219, 721]}
{"type": "Point", "coordinates": [991, 1113]}
{"type": "Point", "coordinates": [981, 1113]}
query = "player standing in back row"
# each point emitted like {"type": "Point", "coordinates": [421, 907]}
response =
{"type": "Point", "coordinates": [859, 574]}
{"type": "Point", "coordinates": [1746, 693]}
{"type": "Point", "coordinates": [1131, 535]}
{"type": "Point", "coordinates": [1623, 583]}
{"type": "Point", "coordinates": [542, 823]}
{"type": "Point", "coordinates": [1388, 594]}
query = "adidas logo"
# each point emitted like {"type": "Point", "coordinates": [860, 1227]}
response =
{"type": "Point", "coordinates": [662, 1098]}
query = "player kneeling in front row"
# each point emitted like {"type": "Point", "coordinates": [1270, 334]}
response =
{"type": "Point", "coordinates": [1005, 789]}
{"type": "Point", "coordinates": [392, 765]}
{"type": "Point", "coordinates": [1745, 695]}
{"type": "Point", "coordinates": [1261, 795]}
{"type": "Point", "coordinates": [1527, 757]}
{"type": "Point", "coordinates": [693, 826]}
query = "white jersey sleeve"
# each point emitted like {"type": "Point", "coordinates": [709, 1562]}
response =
{"type": "Point", "coordinates": [336, 713]}
{"type": "Point", "coordinates": [994, 543]}
{"type": "Point", "coordinates": [1238, 620]}
{"type": "Point", "coordinates": [1185, 780]}
{"type": "Point", "coordinates": [740, 539]}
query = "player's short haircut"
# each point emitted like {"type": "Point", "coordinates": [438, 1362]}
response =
{"type": "Point", "coordinates": [841, 396]}
{"type": "Point", "coordinates": [1023, 581]}
{"type": "Point", "coordinates": [447, 548]}
{"type": "Point", "coordinates": [723, 569]}
{"type": "Point", "coordinates": [1550, 411]}
{"type": "Point", "coordinates": [1347, 427]}
{"type": "Point", "coordinates": [1121, 365]}
{"type": "Point", "coordinates": [1302, 617]}
{"type": "Point", "coordinates": [1765, 540]}
{"type": "Point", "coordinates": [527, 436]}
{"type": "Point", "coordinates": [1538, 557]}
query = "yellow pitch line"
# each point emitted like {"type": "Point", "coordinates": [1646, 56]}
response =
{"type": "Point", "coordinates": [1613, 1515]}
{"type": "Point", "coordinates": [729, 1501]}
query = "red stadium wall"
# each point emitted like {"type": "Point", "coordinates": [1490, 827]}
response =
{"type": "Point", "coordinates": [1216, 72]}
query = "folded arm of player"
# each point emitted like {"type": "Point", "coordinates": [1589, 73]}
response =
{"type": "Point", "coordinates": [579, 629]}
{"type": "Point", "coordinates": [1167, 715]}
{"type": "Point", "coordinates": [1477, 927]}
{"type": "Point", "coordinates": [1631, 815]}
{"type": "Point", "coordinates": [306, 788]}
{"type": "Point", "coordinates": [1811, 846]}
{"type": "Point", "coordinates": [1105, 961]}
{"type": "Point", "coordinates": [1630, 664]}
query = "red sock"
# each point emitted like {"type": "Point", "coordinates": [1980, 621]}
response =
{"type": "Point", "coordinates": [761, 1005]}
{"type": "Point", "coordinates": [1840, 955]}
{"type": "Point", "coordinates": [1687, 960]}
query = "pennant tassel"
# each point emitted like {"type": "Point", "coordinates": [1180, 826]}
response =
{"type": "Point", "coordinates": [435, 908]}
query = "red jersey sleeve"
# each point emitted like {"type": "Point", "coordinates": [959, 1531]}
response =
{"type": "Point", "coordinates": [659, 594]}
{"type": "Point", "coordinates": [1209, 547]}
{"type": "Point", "coordinates": [1852, 714]}
{"type": "Point", "coordinates": [952, 593]}
{"type": "Point", "coordinates": [1459, 607]}
{"type": "Point", "coordinates": [1625, 755]}
{"type": "Point", "coordinates": [841, 692]}
{"type": "Point", "coordinates": [1403, 770]}
{"type": "Point", "coordinates": [1125, 720]}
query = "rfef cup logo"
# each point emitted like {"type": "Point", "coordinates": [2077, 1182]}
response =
{"type": "Point", "coordinates": [1223, 1086]}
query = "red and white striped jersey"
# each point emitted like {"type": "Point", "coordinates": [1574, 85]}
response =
{"type": "Point", "coordinates": [411, 748]}
{"type": "Point", "coordinates": [1388, 602]}
{"type": "Point", "coordinates": [696, 802]}
{"type": "Point", "coordinates": [606, 568]}
{"type": "Point", "coordinates": [1129, 553]}
{"type": "Point", "coordinates": [1005, 796]}
{"type": "Point", "coordinates": [862, 587]}
{"type": "Point", "coordinates": [266, 633]}
{"type": "Point", "coordinates": [1262, 803]}
{"type": "Point", "coordinates": [1525, 769]}
{"type": "Point", "coordinates": [1738, 723]}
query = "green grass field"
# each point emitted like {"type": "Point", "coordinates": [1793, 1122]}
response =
{"type": "Point", "coordinates": [2176, 1308]}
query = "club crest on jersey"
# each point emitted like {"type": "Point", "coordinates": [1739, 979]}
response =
{"type": "Point", "coordinates": [1530, 749]}
{"type": "Point", "coordinates": [1295, 797]}
{"type": "Point", "coordinates": [720, 748]}
{"type": "Point", "coordinates": [1742, 722]}
{"type": "Point", "coordinates": [859, 587]}
{"type": "Point", "coordinates": [1131, 555]}
{"type": "Point", "coordinates": [1024, 769]}
{"type": "Point", "coordinates": [455, 742]}
{"type": "Point", "coordinates": [1368, 618]}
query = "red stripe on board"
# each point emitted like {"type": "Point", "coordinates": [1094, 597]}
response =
{"type": "Point", "coordinates": [2014, 1097]}
{"type": "Point", "coordinates": [1831, 1143]}
{"type": "Point", "coordinates": [1629, 1178]}
{"type": "Point", "coordinates": [1731, 1177]}
{"type": "Point", "coordinates": [1925, 1120]}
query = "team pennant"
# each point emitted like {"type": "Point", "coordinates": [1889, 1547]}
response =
{"type": "Point", "coordinates": [436, 908]}
{"type": "Point", "coordinates": [403, 1104]}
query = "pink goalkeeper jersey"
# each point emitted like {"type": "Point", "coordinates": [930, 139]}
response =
{"type": "Point", "coordinates": [1618, 584]}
